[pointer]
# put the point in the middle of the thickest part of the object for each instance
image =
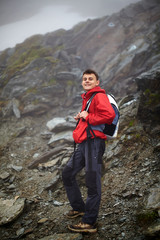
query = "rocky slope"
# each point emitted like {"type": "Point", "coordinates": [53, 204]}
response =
{"type": "Point", "coordinates": [40, 86]}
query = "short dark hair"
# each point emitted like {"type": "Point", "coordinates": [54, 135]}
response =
{"type": "Point", "coordinates": [90, 71]}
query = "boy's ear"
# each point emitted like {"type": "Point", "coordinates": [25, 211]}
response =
{"type": "Point", "coordinates": [97, 83]}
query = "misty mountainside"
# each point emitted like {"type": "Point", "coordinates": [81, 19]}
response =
{"type": "Point", "coordinates": [46, 68]}
{"type": "Point", "coordinates": [40, 92]}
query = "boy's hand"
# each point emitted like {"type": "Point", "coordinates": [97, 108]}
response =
{"type": "Point", "coordinates": [83, 114]}
{"type": "Point", "coordinates": [77, 117]}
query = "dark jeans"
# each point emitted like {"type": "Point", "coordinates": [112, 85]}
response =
{"type": "Point", "coordinates": [89, 155]}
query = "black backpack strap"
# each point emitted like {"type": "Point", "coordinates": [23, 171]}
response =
{"type": "Point", "coordinates": [89, 101]}
{"type": "Point", "coordinates": [89, 129]}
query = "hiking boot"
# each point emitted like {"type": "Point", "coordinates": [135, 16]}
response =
{"type": "Point", "coordinates": [82, 227]}
{"type": "Point", "coordinates": [74, 214]}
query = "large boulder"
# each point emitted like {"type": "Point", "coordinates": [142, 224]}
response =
{"type": "Point", "coordinates": [149, 86]}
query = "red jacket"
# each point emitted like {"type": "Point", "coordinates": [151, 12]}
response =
{"type": "Point", "coordinates": [100, 112]}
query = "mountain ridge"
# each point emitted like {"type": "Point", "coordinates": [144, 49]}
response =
{"type": "Point", "coordinates": [112, 45]}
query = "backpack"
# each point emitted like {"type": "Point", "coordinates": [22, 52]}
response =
{"type": "Point", "coordinates": [110, 130]}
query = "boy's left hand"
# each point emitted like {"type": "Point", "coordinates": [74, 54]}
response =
{"type": "Point", "coordinates": [83, 114]}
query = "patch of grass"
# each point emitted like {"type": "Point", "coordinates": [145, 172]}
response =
{"type": "Point", "coordinates": [131, 123]}
{"type": "Point", "coordinates": [19, 62]}
{"type": "Point", "coordinates": [138, 135]}
{"type": "Point", "coordinates": [23, 56]}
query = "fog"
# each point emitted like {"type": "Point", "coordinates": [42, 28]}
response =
{"type": "Point", "coordinates": [20, 19]}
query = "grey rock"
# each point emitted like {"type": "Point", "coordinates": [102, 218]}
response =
{"type": "Point", "coordinates": [20, 131]}
{"type": "Point", "coordinates": [129, 194]}
{"type": "Point", "coordinates": [154, 199]}
{"type": "Point", "coordinates": [157, 148]}
{"type": "Point", "coordinates": [147, 80]}
{"type": "Point", "coordinates": [4, 175]}
{"type": "Point", "coordinates": [56, 203]}
{"type": "Point", "coordinates": [122, 219]}
{"type": "Point", "coordinates": [16, 110]}
{"type": "Point", "coordinates": [11, 187]}
{"type": "Point", "coordinates": [11, 180]}
{"type": "Point", "coordinates": [7, 110]}
{"type": "Point", "coordinates": [17, 168]}
{"type": "Point", "coordinates": [61, 138]}
{"type": "Point", "coordinates": [53, 183]}
{"type": "Point", "coordinates": [61, 127]}
{"type": "Point", "coordinates": [10, 209]}
{"type": "Point", "coordinates": [153, 231]}
{"type": "Point", "coordinates": [65, 76]}
{"type": "Point", "coordinates": [46, 135]}
{"type": "Point", "coordinates": [54, 122]}
{"type": "Point", "coordinates": [66, 236]}
{"type": "Point", "coordinates": [135, 129]}
{"type": "Point", "coordinates": [37, 109]}
{"type": "Point", "coordinates": [20, 231]}
{"type": "Point", "coordinates": [51, 163]}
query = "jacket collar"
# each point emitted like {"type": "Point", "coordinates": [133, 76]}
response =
{"type": "Point", "coordinates": [88, 94]}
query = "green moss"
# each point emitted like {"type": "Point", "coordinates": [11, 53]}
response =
{"type": "Point", "coordinates": [79, 26]}
{"type": "Point", "coordinates": [35, 102]}
{"type": "Point", "coordinates": [151, 98]}
{"type": "Point", "coordinates": [3, 79]}
{"type": "Point", "coordinates": [70, 83]}
{"type": "Point", "coordinates": [138, 135]}
{"type": "Point", "coordinates": [24, 53]}
{"type": "Point", "coordinates": [35, 40]}
{"type": "Point", "coordinates": [22, 57]}
{"type": "Point", "coordinates": [19, 62]}
{"type": "Point", "coordinates": [147, 92]}
{"type": "Point", "coordinates": [32, 90]}
{"type": "Point", "coordinates": [52, 81]}
{"type": "Point", "coordinates": [154, 98]}
{"type": "Point", "coordinates": [51, 59]}
{"type": "Point", "coordinates": [131, 123]}
{"type": "Point", "coordinates": [59, 47]}
{"type": "Point", "coordinates": [4, 56]}
{"type": "Point", "coordinates": [3, 103]}
{"type": "Point", "coordinates": [147, 217]}
{"type": "Point", "coordinates": [60, 32]}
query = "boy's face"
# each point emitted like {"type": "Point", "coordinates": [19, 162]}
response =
{"type": "Point", "coordinates": [89, 81]}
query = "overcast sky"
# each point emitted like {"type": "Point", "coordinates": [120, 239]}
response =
{"type": "Point", "coordinates": [20, 19]}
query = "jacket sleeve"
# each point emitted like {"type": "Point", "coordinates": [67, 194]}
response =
{"type": "Point", "coordinates": [100, 110]}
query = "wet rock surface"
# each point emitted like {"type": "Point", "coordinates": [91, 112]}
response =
{"type": "Point", "coordinates": [31, 170]}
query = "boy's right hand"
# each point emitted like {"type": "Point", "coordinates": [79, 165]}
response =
{"type": "Point", "coordinates": [77, 117]}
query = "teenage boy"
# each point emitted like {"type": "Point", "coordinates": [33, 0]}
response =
{"type": "Point", "coordinates": [91, 147]}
